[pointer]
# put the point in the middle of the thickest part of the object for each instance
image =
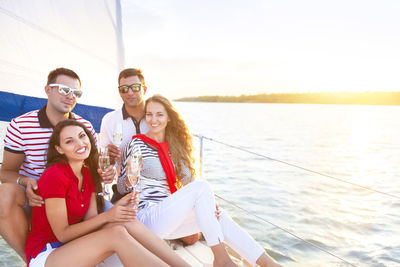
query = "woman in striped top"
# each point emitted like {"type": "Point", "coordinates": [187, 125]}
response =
{"type": "Point", "coordinates": [170, 210]}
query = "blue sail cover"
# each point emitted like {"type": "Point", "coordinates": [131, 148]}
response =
{"type": "Point", "coordinates": [12, 105]}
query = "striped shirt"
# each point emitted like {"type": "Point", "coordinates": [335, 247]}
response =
{"type": "Point", "coordinates": [153, 185]}
{"type": "Point", "coordinates": [29, 134]}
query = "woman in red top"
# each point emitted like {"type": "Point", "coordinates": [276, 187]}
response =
{"type": "Point", "coordinates": [67, 231]}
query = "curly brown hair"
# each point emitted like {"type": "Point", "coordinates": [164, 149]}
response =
{"type": "Point", "coordinates": [53, 156]}
{"type": "Point", "coordinates": [178, 137]}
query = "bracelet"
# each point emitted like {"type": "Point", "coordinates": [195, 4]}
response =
{"type": "Point", "coordinates": [18, 179]}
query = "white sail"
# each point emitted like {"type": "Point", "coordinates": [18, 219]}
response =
{"type": "Point", "coordinates": [41, 35]}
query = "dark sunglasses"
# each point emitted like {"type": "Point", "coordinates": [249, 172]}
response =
{"type": "Point", "coordinates": [65, 90]}
{"type": "Point", "coordinates": [135, 87]}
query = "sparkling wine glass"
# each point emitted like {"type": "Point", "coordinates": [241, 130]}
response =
{"type": "Point", "coordinates": [104, 162]}
{"type": "Point", "coordinates": [134, 165]}
{"type": "Point", "coordinates": [118, 135]}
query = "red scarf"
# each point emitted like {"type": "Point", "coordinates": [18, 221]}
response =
{"type": "Point", "coordinates": [165, 159]}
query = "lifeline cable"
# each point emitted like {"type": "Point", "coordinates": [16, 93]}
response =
{"type": "Point", "coordinates": [286, 231]}
{"type": "Point", "coordinates": [299, 167]}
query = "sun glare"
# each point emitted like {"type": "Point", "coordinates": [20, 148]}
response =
{"type": "Point", "coordinates": [362, 144]}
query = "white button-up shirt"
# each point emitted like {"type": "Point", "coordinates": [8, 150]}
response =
{"type": "Point", "coordinates": [130, 127]}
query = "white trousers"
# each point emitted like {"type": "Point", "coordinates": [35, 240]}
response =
{"type": "Point", "coordinates": [191, 210]}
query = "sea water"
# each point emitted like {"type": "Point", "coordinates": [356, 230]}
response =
{"type": "Point", "coordinates": [295, 206]}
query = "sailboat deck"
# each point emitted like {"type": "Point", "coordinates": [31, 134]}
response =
{"type": "Point", "coordinates": [197, 255]}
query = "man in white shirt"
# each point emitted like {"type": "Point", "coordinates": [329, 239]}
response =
{"type": "Point", "coordinates": [132, 88]}
{"type": "Point", "coordinates": [130, 117]}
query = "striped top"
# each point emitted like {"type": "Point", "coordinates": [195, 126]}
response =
{"type": "Point", "coordinates": [29, 134]}
{"type": "Point", "coordinates": [153, 185]}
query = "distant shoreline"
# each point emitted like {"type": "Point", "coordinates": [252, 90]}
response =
{"type": "Point", "coordinates": [363, 98]}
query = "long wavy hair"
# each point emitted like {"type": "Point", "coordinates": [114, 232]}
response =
{"type": "Point", "coordinates": [178, 137]}
{"type": "Point", "coordinates": [53, 156]}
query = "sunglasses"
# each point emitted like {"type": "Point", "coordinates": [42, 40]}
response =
{"type": "Point", "coordinates": [135, 87]}
{"type": "Point", "coordinates": [65, 90]}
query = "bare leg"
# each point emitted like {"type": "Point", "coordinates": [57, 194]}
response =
{"type": "Point", "coordinates": [13, 220]}
{"type": "Point", "coordinates": [265, 261]}
{"type": "Point", "coordinates": [93, 248]}
{"type": "Point", "coordinates": [221, 257]}
{"type": "Point", "coordinates": [153, 243]}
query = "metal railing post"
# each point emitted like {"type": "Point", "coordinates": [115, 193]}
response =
{"type": "Point", "coordinates": [201, 155]}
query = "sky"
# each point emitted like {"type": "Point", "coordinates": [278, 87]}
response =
{"type": "Point", "coordinates": [209, 47]}
{"type": "Point", "coordinates": [234, 47]}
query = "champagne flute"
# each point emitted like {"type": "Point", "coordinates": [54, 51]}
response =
{"type": "Point", "coordinates": [134, 165]}
{"type": "Point", "coordinates": [118, 135]}
{"type": "Point", "coordinates": [137, 155]}
{"type": "Point", "coordinates": [104, 162]}
{"type": "Point", "coordinates": [117, 139]}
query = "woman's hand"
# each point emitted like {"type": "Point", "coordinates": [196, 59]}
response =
{"type": "Point", "coordinates": [130, 200]}
{"type": "Point", "coordinates": [108, 175]}
{"type": "Point", "coordinates": [123, 210]}
{"type": "Point", "coordinates": [120, 214]}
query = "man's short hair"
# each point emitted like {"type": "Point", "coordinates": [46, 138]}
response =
{"type": "Point", "coordinates": [131, 72]}
{"type": "Point", "coordinates": [62, 71]}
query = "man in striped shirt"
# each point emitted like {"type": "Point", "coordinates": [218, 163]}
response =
{"type": "Point", "coordinates": [24, 158]}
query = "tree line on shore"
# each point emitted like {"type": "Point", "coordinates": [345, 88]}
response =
{"type": "Point", "coordinates": [353, 98]}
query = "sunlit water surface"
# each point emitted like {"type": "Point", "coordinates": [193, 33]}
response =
{"type": "Point", "coordinates": [359, 144]}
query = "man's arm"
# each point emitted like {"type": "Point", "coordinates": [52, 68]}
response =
{"type": "Point", "coordinates": [10, 167]}
{"type": "Point", "coordinates": [9, 174]}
